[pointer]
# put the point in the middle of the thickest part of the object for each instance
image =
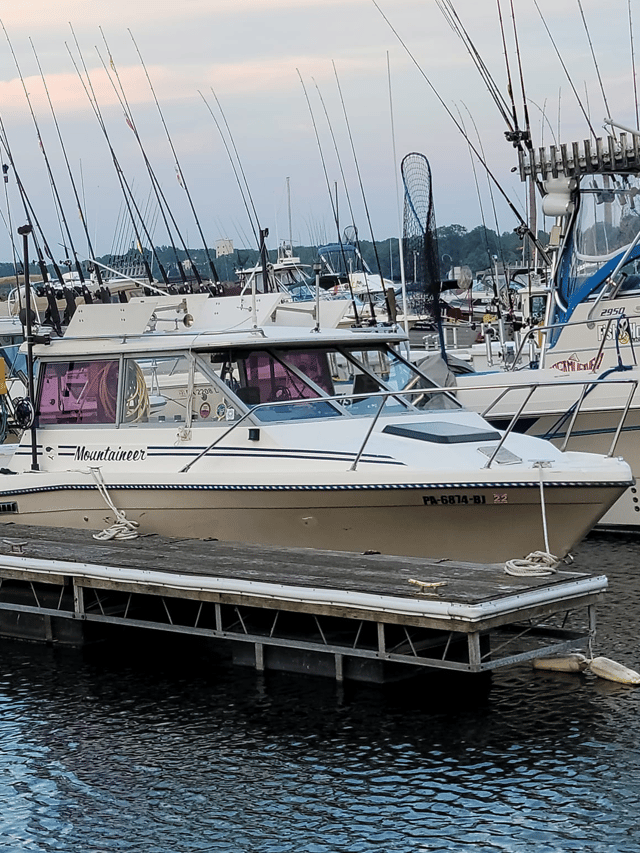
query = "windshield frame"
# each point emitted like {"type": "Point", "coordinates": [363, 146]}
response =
{"type": "Point", "coordinates": [351, 352]}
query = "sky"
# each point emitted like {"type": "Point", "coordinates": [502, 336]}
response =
{"type": "Point", "coordinates": [319, 96]}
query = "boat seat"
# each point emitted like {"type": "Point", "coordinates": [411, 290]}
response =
{"type": "Point", "coordinates": [364, 384]}
{"type": "Point", "coordinates": [250, 395]}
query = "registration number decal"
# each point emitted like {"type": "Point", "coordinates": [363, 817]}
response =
{"type": "Point", "coordinates": [450, 500]}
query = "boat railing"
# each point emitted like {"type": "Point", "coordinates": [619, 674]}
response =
{"type": "Point", "coordinates": [305, 401]}
{"type": "Point", "coordinates": [383, 396]}
{"type": "Point", "coordinates": [571, 413]}
{"type": "Point", "coordinates": [545, 330]}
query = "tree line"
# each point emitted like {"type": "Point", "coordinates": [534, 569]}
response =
{"type": "Point", "coordinates": [479, 249]}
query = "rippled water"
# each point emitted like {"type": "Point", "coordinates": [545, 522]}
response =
{"type": "Point", "coordinates": [166, 750]}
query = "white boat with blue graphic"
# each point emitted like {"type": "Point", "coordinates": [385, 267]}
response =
{"type": "Point", "coordinates": [587, 352]}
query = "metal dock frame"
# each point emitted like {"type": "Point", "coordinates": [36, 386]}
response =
{"type": "Point", "coordinates": [340, 633]}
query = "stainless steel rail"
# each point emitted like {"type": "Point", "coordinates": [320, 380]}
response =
{"type": "Point", "coordinates": [531, 387]}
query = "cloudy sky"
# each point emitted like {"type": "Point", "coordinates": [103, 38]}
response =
{"type": "Point", "coordinates": [253, 54]}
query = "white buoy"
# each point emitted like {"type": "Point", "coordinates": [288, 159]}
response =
{"type": "Point", "coordinates": [575, 662]}
{"type": "Point", "coordinates": [613, 671]}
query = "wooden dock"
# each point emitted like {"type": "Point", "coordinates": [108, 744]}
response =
{"type": "Point", "coordinates": [364, 617]}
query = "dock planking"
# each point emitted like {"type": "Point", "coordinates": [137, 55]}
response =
{"type": "Point", "coordinates": [468, 583]}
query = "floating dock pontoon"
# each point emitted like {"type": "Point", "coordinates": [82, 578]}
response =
{"type": "Point", "coordinates": [364, 617]}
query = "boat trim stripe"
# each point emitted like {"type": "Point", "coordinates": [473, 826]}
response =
{"type": "Point", "coordinates": [362, 487]}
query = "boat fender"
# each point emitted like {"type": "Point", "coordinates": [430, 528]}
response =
{"type": "Point", "coordinates": [575, 662]}
{"type": "Point", "coordinates": [613, 671]}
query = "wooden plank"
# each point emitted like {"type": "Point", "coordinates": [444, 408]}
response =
{"type": "Point", "coordinates": [467, 583]}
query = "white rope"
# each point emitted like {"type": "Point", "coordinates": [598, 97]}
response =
{"type": "Point", "coordinates": [538, 564]}
{"type": "Point", "coordinates": [122, 528]}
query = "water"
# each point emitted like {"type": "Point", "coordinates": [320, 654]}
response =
{"type": "Point", "coordinates": [151, 750]}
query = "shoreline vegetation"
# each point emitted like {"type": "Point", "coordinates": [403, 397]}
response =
{"type": "Point", "coordinates": [479, 249]}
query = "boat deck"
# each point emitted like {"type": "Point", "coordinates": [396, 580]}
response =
{"type": "Point", "coordinates": [332, 613]}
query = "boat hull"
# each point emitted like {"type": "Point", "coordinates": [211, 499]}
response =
{"type": "Point", "coordinates": [460, 522]}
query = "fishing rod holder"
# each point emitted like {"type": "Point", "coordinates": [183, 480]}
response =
{"type": "Point", "coordinates": [187, 319]}
{"type": "Point", "coordinates": [590, 157]}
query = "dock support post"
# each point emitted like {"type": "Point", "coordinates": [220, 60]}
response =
{"type": "Point", "coordinates": [475, 658]}
{"type": "Point", "coordinates": [339, 668]}
{"type": "Point", "coordinates": [78, 599]}
{"type": "Point", "coordinates": [218, 619]}
{"type": "Point", "coordinates": [381, 644]}
{"type": "Point", "coordinates": [591, 610]}
{"type": "Point", "coordinates": [259, 657]}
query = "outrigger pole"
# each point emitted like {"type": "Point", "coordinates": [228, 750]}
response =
{"type": "Point", "coordinates": [24, 231]}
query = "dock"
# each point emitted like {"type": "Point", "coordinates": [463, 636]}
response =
{"type": "Point", "coordinates": [364, 617]}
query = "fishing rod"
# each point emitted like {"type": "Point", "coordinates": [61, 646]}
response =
{"type": "Point", "coordinates": [633, 67]}
{"type": "Point", "coordinates": [357, 165]}
{"type": "Point", "coordinates": [179, 173]}
{"type": "Point", "coordinates": [233, 144]}
{"type": "Point", "coordinates": [30, 214]}
{"type": "Point", "coordinates": [71, 177]}
{"type": "Point", "coordinates": [484, 224]}
{"type": "Point", "coordinates": [56, 195]}
{"type": "Point", "coordinates": [495, 219]}
{"type": "Point", "coordinates": [523, 228]}
{"type": "Point", "coordinates": [514, 112]}
{"type": "Point", "coordinates": [348, 196]}
{"type": "Point", "coordinates": [566, 71]}
{"type": "Point", "coordinates": [152, 177]}
{"type": "Point", "coordinates": [595, 61]}
{"type": "Point", "coordinates": [334, 206]}
{"type": "Point", "coordinates": [9, 226]}
{"type": "Point", "coordinates": [525, 107]}
{"type": "Point", "coordinates": [394, 160]}
{"type": "Point", "coordinates": [507, 111]}
{"type": "Point", "coordinates": [260, 234]}
{"type": "Point", "coordinates": [124, 186]}
{"type": "Point", "coordinates": [519, 137]}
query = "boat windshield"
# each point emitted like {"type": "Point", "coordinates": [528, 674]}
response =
{"type": "Point", "coordinates": [607, 223]}
{"type": "Point", "coordinates": [297, 378]}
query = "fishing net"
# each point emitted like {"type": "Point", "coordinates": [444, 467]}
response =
{"type": "Point", "coordinates": [420, 242]}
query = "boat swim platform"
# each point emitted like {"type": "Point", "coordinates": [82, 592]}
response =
{"type": "Point", "coordinates": [363, 617]}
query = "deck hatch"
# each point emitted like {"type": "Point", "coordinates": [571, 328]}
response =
{"type": "Point", "coordinates": [442, 432]}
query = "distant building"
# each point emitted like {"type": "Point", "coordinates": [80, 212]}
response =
{"type": "Point", "coordinates": [224, 247]}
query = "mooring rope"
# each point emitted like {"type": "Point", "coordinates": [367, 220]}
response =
{"type": "Point", "coordinates": [122, 528]}
{"type": "Point", "coordinates": [538, 563]}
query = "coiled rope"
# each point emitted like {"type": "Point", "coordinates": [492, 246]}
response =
{"type": "Point", "coordinates": [122, 528]}
{"type": "Point", "coordinates": [538, 564]}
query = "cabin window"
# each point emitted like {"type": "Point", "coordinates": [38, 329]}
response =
{"type": "Point", "coordinates": [83, 392]}
{"type": "Point", "coordinates": [287, 377]}
{"type": "Point", "coordinates": [278, 381]}
{"type": "Point", "coordinates": [164, 389]}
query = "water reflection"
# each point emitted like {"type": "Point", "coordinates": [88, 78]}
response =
{"type": "Point", "coordinates": [158, 747]}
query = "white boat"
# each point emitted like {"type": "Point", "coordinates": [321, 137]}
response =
{"type": "Point", "coordinates": [588, 348]}
{"type": "Point", "coordinates": [207, 418]}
